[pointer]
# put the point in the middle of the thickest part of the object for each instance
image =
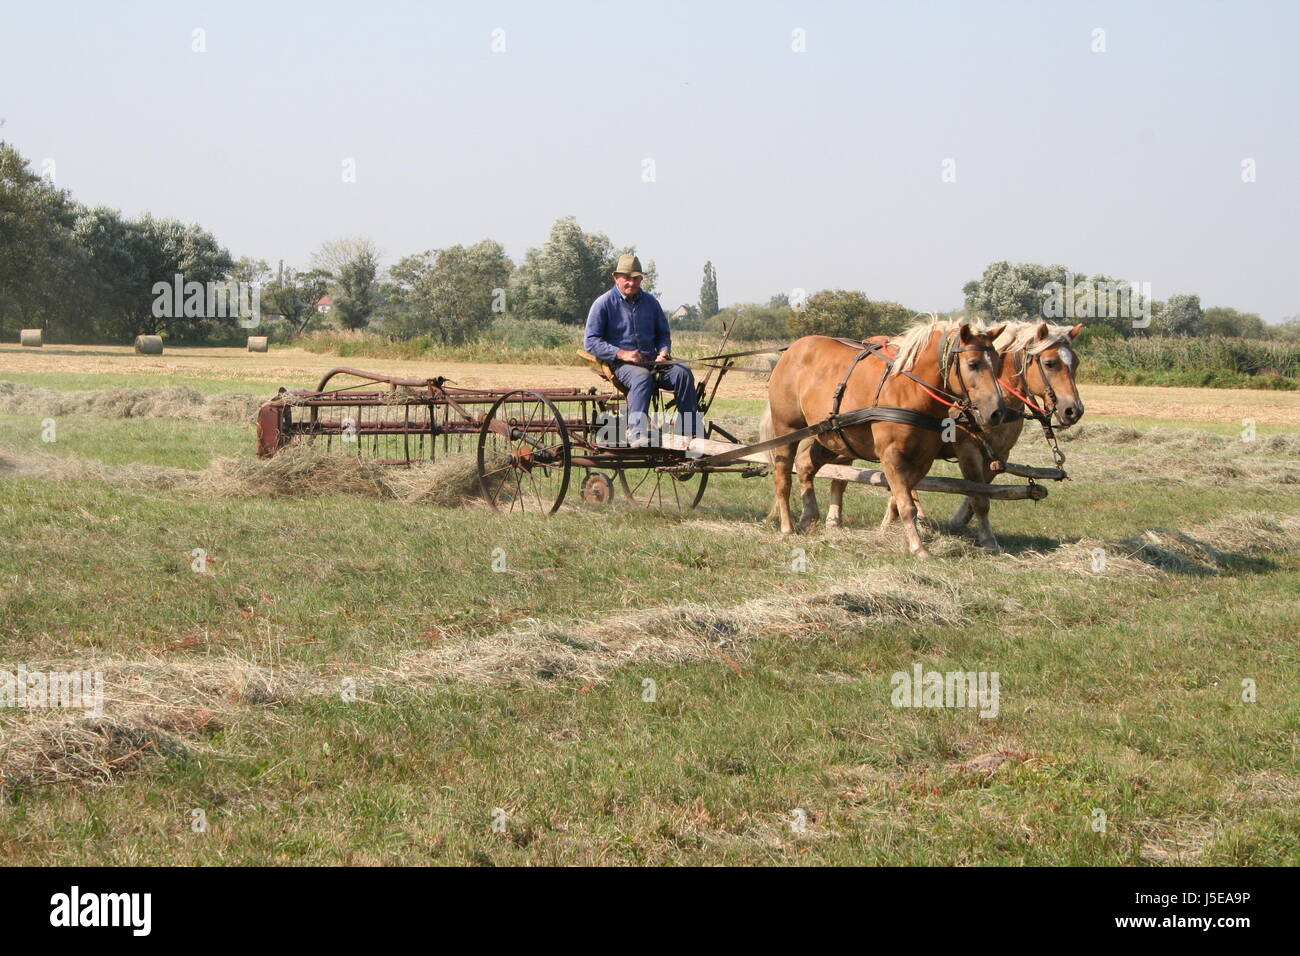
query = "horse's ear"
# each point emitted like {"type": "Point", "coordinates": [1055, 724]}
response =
{"type": "Point", "coordinates": [1076, 330]}
{"type": "Point", "coordinates": [1042, 332]}
{"type": "Point", "coordinates": [964, 332]}
{"type": "Point", "coordinates": [994, 332]}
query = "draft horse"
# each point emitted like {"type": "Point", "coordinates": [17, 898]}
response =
{"type": "Point", "coordinates": [939, 375]}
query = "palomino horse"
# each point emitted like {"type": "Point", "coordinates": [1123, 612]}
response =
{"type": "Point", "coordinates": [1038, 364]}
{"type": "Point", "coordinates": [939, 366]}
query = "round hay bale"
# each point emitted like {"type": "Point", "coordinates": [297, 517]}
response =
{"type": "Point", "coordinates": [30, 338]}
{"type": "Point", "coordinates": [149, 344]}
{"type": "Point", "coordinates": [257, 343]}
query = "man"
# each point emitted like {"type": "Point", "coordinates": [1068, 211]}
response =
{"type": "Point", "coordinates": [627, 329]}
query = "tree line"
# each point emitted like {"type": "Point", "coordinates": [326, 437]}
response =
{"type": "Point", "coordinates": [89, 274]}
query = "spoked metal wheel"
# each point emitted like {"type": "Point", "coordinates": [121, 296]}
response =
{"type": "Point", "coordinates": [662, 491]}
{"type": "Point", "coordinates": [524, 454]}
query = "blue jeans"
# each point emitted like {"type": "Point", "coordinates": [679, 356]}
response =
{"type": "Point", "coordinates": [641, 383]}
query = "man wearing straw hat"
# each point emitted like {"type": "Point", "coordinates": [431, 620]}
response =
{"type": "Point", "coordinates": [626, 329]}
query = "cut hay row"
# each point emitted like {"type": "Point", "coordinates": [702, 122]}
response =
{"type": "Point", "coordinates": [543, 653]}
{"type": "Point", "coordinates": [297, 472]}
{"type": "Point", "coordinates": [151, 708]}
{"type": "Point", "coordinates": [49, 467]}
{"type": "Point", "coordinates": [1286, 444]}
{"type": "Point", "coordinates": [1186, 468]}
{"type": "Point", "coordinates": [168, 401]}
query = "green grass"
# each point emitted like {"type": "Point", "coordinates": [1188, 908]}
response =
{"type": "Point", "coordinates": [1120, 692]}
{"type": "Point", "coordinates": [116, 441]}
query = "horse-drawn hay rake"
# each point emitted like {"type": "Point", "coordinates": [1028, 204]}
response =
{"type": "Point", "coordinates": [527, 443]}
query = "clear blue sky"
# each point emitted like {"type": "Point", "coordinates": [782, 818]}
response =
{"type": "Point", "coordinates": [813, 170]}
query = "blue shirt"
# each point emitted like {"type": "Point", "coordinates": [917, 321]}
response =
{"type": "Point", "coordinates": [614, 324]}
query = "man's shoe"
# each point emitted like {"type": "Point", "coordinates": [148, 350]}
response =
{"type": "Point", "coordinates": [639, 441]}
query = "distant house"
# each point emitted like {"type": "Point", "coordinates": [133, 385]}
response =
{"type": "Point", "coordinates": [324, 304]}
{"type": "Point", "coordinates": [682, 312]}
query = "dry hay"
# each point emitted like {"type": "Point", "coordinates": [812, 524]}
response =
{"type": "Point", "coordinates": [306, 471]}
{"type": "Point", "coordinates": [1237, 540]}
{"type": "Point", "coordinates": [1159, 468]}
{"type": "Point", "coordinates": [1268, 787]}
{"type": "Point", "coordinates": [1188, 439]}
{"type": "Point", "coordinates": [169, 401]}
{"type": "Point", "coordinates": [50, 467]}
{"type": "Point", "coordinates": [537, 653]}
{"type": "Point", "coordinates": [1086, 557]}
{"type": "Point", "coordinates": [1234, 541]}
{"type": "Point", "coordinates": [31, 338]}
{"type": "Point", "coordinates": [151, 709]}
{"type": "Point", "coordinates": [1183, 456]}
{"type": "Point", "coordinates": [149, 344]}
{"type": "Point", "coordinates": [299, 471]}
{"type": "Point", "coordinates": [1178, 841]}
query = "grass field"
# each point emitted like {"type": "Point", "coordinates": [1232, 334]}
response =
{"type": "Point", "coordinates": [351, 679]}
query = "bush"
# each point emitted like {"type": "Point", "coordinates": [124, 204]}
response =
{"type": "Point", "coordinates": [849, 315]}
{"type": "Point", "coordinates": [1214, 362]}
{"type": "Point", "coordinates": [1095, 333]}
{"type": "Point", "coordinates": [524, 334]}
{"type": "Point", "coordinates": [752, 323]}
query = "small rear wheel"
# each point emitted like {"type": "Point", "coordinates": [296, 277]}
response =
{"type": "Point", "coordinates": [524, 454]}
{"type": "Point", "coordinates": [597, 489]}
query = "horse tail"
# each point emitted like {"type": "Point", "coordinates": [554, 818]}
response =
{"type": "Point", "coordinates": [765, 431]}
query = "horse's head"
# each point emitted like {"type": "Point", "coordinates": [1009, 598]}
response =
{"type": "Point", "coordinates": [1047, 367]}
{"type": "Point", "coordinates": [972, 373]}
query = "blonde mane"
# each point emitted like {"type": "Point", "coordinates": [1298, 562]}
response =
{"type": "Point", "coordinates": [910, 341]}
{"type": "Point", "coordinates": [1023, 337]}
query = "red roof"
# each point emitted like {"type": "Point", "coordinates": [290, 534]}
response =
{"type": "Point", "coordinates": [324, 300]}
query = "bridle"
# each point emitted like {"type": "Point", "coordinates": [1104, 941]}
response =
{"type": "Point", "coordinates": [1043, 416]}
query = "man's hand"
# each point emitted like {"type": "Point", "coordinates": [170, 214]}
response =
{"type": "Point", "coordinates": [628, 355]}
{"type": "Point", "coordinates": [663, 356]}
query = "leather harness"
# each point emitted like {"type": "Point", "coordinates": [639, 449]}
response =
{"type": "Point", "coordinates": [875, 412]}
{"type": "Point", "coordinates": [947, 351]}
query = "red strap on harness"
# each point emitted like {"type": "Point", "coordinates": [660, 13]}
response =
{"type": "Point", "coordinates": [935, 395]}
{"type": "Point", "coordinates": [1024, 398]}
